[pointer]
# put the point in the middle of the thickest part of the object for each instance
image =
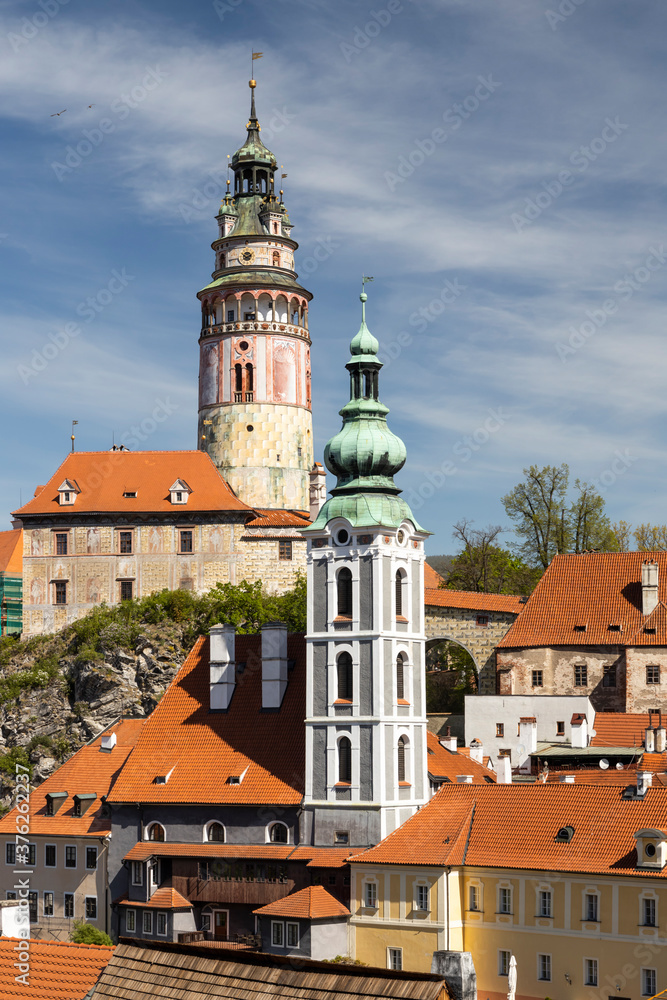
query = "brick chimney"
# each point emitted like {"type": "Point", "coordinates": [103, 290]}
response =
{"type": "Point", "coordinates": [274, 664]}
{"type": "Point", "coordinates": [222, 666]}
{"type": "Point", "coordinates": [317, 489]}
{"type": "Point", "coordinates": [649, 586]}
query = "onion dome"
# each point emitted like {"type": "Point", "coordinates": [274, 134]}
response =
{"type": "Point", "coordinates": [253, 149]}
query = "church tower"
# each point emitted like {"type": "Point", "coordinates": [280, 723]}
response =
{"type": "Point", "coordinates": [255, 417]}
{"type": "Point", "coordinates": [366, 769]}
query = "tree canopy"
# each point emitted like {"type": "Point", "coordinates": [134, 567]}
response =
{"type": "Point", "coordinates": [484, 567]}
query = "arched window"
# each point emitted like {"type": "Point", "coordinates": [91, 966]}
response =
{"type": "Point", "coordinates": [398, 582]}
{"type": "Point", "coordinates": [344, 672]}
{"type": "Point", "coordinates": [402, 744]}
{"type": "Point", "coordinates": [248, 379]}
{"type": "Point", "coordinates": [368, 385]}
{"type": "Point", "coordinates": [276, 258]}
{"type": "Point", "coordinates": [275, 227]}
{"type": "Point", "coordinates": [400, 677]}
{"type": "Point", "coordinates": [156, 832]}
{"type": "Point", "coordinates": [215, 832]}
{"type": "Point", "coordinates": [278, 833]}
{"type": "Point", "coordinates": [345, 592]}
{"type": "Point", "coordinates": [238, 378]}
{"type": "Point", "coordinates": [345, 760]}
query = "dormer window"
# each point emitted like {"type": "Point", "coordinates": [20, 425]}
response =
{"type": "Point", "coordinates": [82, 802]}
{"type": "Point", "coordinates": [67, 492]}
{"type": "Point", "coordinates": [179, 492]}
{"type": "Point", "coordinates": [651, 848]}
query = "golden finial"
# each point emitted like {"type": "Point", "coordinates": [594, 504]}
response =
{"type": "Point", "coordinates": [252, 84]}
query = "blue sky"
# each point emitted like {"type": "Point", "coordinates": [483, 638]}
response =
{"type": "Point", "coordinates": [498, 168]}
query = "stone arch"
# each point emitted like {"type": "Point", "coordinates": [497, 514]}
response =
{"type": "Point", "coordinates": [436, 640]}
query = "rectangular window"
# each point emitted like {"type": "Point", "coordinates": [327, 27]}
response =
{"type": "Point", "coordinates": [292, 935]}
{"type": "Point", "coordinates": [10, 852]}
{"type": "Point", "coordinates": [653, 674]}
{"type": "Point", "coordinates": [590, 972]}
{"type": "Point", "coordinates": [581, 675]}
{"type": "Point", "coordinates": [130, 921]}
{"type": "Point", "coordinates": [649, 982]}
{"type": "Point", "coordinates": [147, 922]}
{"type": "Point", "coordinates": [544, 967]}
{"type": "Point", "coordinates": [591, 906]}
{"type": "Point", "coordinates": [230, 316]}
{"type": "Point", "coordinates": [50, 855]}
{"type": "Point", "coordinates": [91, 858]}
{"type": "Point", "coordinates": [137, 873]}
{"type": "Point", "coordinates": [545, 903]}
{"type": "Point", "coordinates": [370, 894]}
{"type": "Point", "coordinates": [395, 959]}
{"type": "Point", "coordinates": [32, 906]}
{"type": "Point", "coordinates": [91, 907]}
{"type": "Point", "coordinates": [61, 543]}
{"type": "Point", "coordinates": [277, 934]}
{"type": "Point", "coordinates": [284, 550]}
{"type": "Point", "coordinates": [68, 907]}
{"type": "Point", "coordinates": [474, 897]}
{"type": "Point", "coordinates": [422, 897]}
{"type": "Point", "coordinates": [649, 912]}
{"type": "Point", "coordinates": [70, 857]}
{"type": "Point", "coordinates": [560, 729]}
{"type": "Point", "coordinates": [538, 679]}
{"type": "Point", "coordinates": [10, 894]}
{"type": "Point", "coordinates": [482, 619]}
{"type": "Point", "coordinates": [504, 963]}
{"type": "Point", "coordinates": [48, 904]}
{"type": "Point", "coordinates": [185, 541]}
{"type": "Point", "coordinates": [26, 854]}
{"type": "Point", "coordinates": [500, 729]}
{"type": "Point", "coordinates": [125, 543]}
{"type": "Point", "coordinates": [126, 590]}
{"type": "Point", "coordinates": [162, 924]}
{"type": "Point", "coordinates": [60, 592]}
{"type": "Point", "coordinates": [504, 900]}
{"type": "Point", "coordinates": [609, 675]}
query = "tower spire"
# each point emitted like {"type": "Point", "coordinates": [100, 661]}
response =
{"type": "Point", "coordinates": [252, 121]}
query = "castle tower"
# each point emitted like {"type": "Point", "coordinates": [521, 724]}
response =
{"type": "Point", "coordinates": [255, 417]}
{"type": "Point", "coordinates": [366, 769]}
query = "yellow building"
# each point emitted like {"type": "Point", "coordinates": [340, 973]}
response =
{"type": "Point", "coordinates": [570, 879]}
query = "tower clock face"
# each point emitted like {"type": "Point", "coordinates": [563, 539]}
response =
{"type": "Point", "coordinates": [247, 256]}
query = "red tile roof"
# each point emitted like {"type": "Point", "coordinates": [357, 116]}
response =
{"type": "Point", "coordinates": [88, 770]}
{"type": "Point", "coordinates": [432, 579]}
{"type": "Point", "coordinates": [11, 552]}
{"type": "Point", "coordinates": [279, 519]}
{"type": "Point", "coordinates": [514, 826]}
{"type": "Point", "coordinates": [163, 849]}
{"type": "Point", "coordinates": [202, 749]}
{"type": "Point", "coordinates": [597, 590]}
{"type": "Point", "coordinates": [311, 903]}
{"type": "Point", "coordinates": [59, 970]}
{"type": "Point", "coordinates": [619, 729]}
{"type": "Point", "coordinates": [473, 601]}
{"type": "Point", "coordinates": [103, 477]}
{"type": "Point", "coordinates": [164, 898]}
{"type": "Point", "coordinates": [444, 763]}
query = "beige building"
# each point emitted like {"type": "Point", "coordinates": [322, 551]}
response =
{"type": "Point", "coordinates": [111, 526]}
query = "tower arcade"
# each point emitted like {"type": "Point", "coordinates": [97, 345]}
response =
{"type": "Point", "coordinates": [255, 417]}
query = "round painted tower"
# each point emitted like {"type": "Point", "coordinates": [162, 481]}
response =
{"type": "Point", "coordinates": [255, 418]}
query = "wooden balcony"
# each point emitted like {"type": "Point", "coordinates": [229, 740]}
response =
{"type": "Point", "coordinates": [201, 891]}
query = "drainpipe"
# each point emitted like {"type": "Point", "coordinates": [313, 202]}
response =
{"type": "Point", "coordinates": [105, 852]}
{"type": "Point", "coordinates": [447, 871]}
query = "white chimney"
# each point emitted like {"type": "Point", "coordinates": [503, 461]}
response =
{"type": "Point", "coordinates": [660, 740]}
{"type": "Point", "coordinates": [317, 489]}
{"type": "Point", "coordinates": [528, 733]}
{"type": "Point", "coordinates": [222, 666]}
{"type": "Point", "coordinates": [644, 781]}
{"type": "Point", "coordinates": [477, 751]}
{"type": "Point", "coordinates": [451, 743]}
{"type": "Point", "coordinates": [649, 587]}
{"type": "Point", "coordinates": [579, 731]}
{"type": "Point", "coordinates": [649, 741]}
{"type": "Point", "coordinates": [13, 917]}
{"type": "Point", "coordinates": [504, 771]}
{"type": "Point", "coordinates": [274, 664]}
{"type": "Point", "coordinates": [108, 742]}
{"type": "Point", "coordinates": [464, 779]}
{"type": "Point", "coordinates": [567, 779]}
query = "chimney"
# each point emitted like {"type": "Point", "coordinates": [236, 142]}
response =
{"type": "Point", "coordinates": [528, 733]}
{"type": "Point", "coordinates": [458, 971]}
{"type": "Point", "coordinates": [649, 587]}
{"type": "Point", "coordinates": [222, 666]}
{"type": "Point", "coordinates": [450, 742]}
{"type": "Point", "coordinates": [579, 731]}
{"type": "Point", "coordinates": [660, 740]}
{"type": "Point", "coordinates": [504, 771]}
{"type": "Point", "coordinates": [477, 751]}
{"type": "Point", "coordinates": [644, 782]}
{"type": "Point", "coordinates": [274, 664]}
{"type": "Point", "coordinates": [567, 779]}
{"type": "Point", "coordinates": [464, 779]}
{"type": "Point", "coordinates": [108, 743]}
{"type": "Point", "coordinates": [649, 741]}
{"type": "Point", "coordinates": [317, 489]}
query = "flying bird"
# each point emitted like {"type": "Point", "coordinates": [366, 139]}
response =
{"type": "Point", "coordinates": [57, 114]}
{"type": "Point", "coordinates": [92, 105]}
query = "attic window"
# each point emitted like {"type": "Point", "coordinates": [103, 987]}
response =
{"type": "Point", "coordinates": [580, 628]}
{"type": "Point", "coordinates": [179, 492]}
{"type": "Point", "coordinates": [614, 628]}
{"type": "Point", "coordinates": [162, 779]}
{"type": "Point", "coordinates": [81, 803]}
{"type": "Point", "coordinates": [650, 629]}
{"type": "Point", "coordinates": [67, 492]}
{"type": "Point", "coordinates": [564, 835]}
{"type": "Point", "coordinates": [130, 494]}
{"type": "Point", "coordinates": [54, 800]}
{"type": "Point", "coordinates": [236, 779]}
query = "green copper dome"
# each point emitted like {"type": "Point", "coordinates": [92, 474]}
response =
{"type": "Point", "coordinates": [253, 149]}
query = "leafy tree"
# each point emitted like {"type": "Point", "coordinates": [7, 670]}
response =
{"type": "Point", "coordinates": [550, 524]}
{"type": "Point", "coordinates": [622, 533]}
{"type": "Point", "coordinates": [651, 537]}
{"type": "Point", "coordinates": [450, 676]}
{"type": "Point", "coordinates": [484, 567]}
{"type": "Point", "coordinates": [84, 933]}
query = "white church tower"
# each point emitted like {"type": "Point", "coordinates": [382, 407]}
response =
{"type": "Point", "coordinates": [366, 770]}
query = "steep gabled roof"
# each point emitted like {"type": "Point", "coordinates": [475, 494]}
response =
{"type": "Point", "coordinates": [59, 970]}
{"type": "Point", "coordinates": [11, 552]}
{"type": "Point", "coordinates": [444, 763]}
{"type": "Point", "coordinates": [89, 770]}
{"type": "Point", "coordinates": [201, 750]}
{"type": "Point", "coordinates": [619, 729]}
{"type": "Point", "coordinates": [432, 579]}
{"type": "Point", "coordinates": [104, 476]}
{"type": "Point", "coordinates": [594, 590]}
{"type": "Point", "coordinates": [311, 903]}
{"type": "Point", "coordinates": [164, 898]}
{"type": "Point", "coordinates": [473, 601]}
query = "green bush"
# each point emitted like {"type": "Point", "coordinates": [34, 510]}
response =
{"type": "Point", "coordinates": [84, 933]}
{"type": "Point", "coordinates": [9, 760]}
{"type": "Point", "coordinates": [39, 675]}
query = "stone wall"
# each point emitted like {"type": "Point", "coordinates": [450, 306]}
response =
{"type": "Point", "coordinates": [460, 625]}
{"type": "Point", "coordinates": [557, 666]}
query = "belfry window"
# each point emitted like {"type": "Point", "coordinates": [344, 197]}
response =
{"type": "Point", "coordinates": [276, 257]}
{"type": "Point", "coordinates": [398, 584]}
{"type": "Point", "coordinates": [400, 677]}
{"type": "Point", "coordinates": [345, 593]}
{"type": "Point", "coordinates": [344, 677]}
{"type": "Point", "coordinates": [402, 743]}
{"type": "Point", "coordinates": [345, 760]}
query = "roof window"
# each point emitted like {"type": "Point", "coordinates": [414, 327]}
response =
{"type": "Point", "coordinates": [130, 494]}
{"type": "Point", "coordinates": [615, 628]}
{"type": "Point", "coordinates": [54, 800]}
{"type": "Point", "coordinates": [236, 779]}
{"type": "Point", "coordinates": [162, 779]}
{"type": "Point", "coordinates": [580, 628]}
{"type": "Point", "coordinates": [82, 802]}
{"type": "Point", "coordinates": [650, 629]}
{"type": "Point", "coordinates": [179, 492]}
{"type": "Point", "coordinates": [564, 835]}
{"type": "Point", "coordinates": [67, 492]}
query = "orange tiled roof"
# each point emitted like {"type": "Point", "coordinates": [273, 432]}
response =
{"type": "Point", "coordinates": [619, 729]}
{"type": "Point", "coordinates": [432, 579]}
{"type": "Point", "coordinates": [59, 970]}
{"type": "Point", "coordinates": [164, 849]}
{"type": "Point", "coordinates": [597, 590]}
{"type": "Point", "coordinates": [279, 519]}
{"type": "Point", "coordinates": [202, 750]}
{"type": "Point", "coordinates": [444, 763]}
{"type": "Point", "coordinates": [514, 826]}
{"type": "Point", "coordinates": [11, 552]}
{"type": "Point", "coordinates": [311, 903]}
{"type": "Point", "coordinates": [475, 602]}
{"type": "Point", "coordinates": [322, 857]}
{"type": "Point", "coordinates": [88, 770]}
{"type": "Point", "coordinates": [103, 477]}
{"type": "Point", "coordinates": [164, 898]}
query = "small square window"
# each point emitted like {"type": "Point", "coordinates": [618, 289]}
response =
{"type": "Point", "coordinates": [500, 729]}
{"type": "Point", "coordinates": [68, 908]}
{"type": "Point", "coordinates": [60, 592]}
{"type": "Point", "coordinates": [538, 681]}
{"type": "Point", "coordinates": [61, 543]}
{"type": "Point", "coordinates": [186, 541]}
{"type": "Point", "coordinates": [50, 855]}
{"type": "Point", "coordinates": [653, 674]}
{"type": "Point", "coordinates": [91, 907]}
{"type": "Point", "coordinates": [395, 959]}
{"type": "Point", "coordinates": [560, 729]}
{"type": "Point", "coordinates": [284, 550]}
{"type": "Point", "coordinates": [70, 857]}
{"type": "Point", "coordinates": [147, 922]}
{"type": "Point", "coordinates": [341, 838]}
{"type": "Point", "coordinates": [125, 543]}
{"type": "Point", "coordinates": [126, 590]}
{"type": "Point", "coordinates": [581, 675]}
{"type": "Point", "coordinates": [482, 620]}
{"type": "Point", "coordinates": [130, 921]}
